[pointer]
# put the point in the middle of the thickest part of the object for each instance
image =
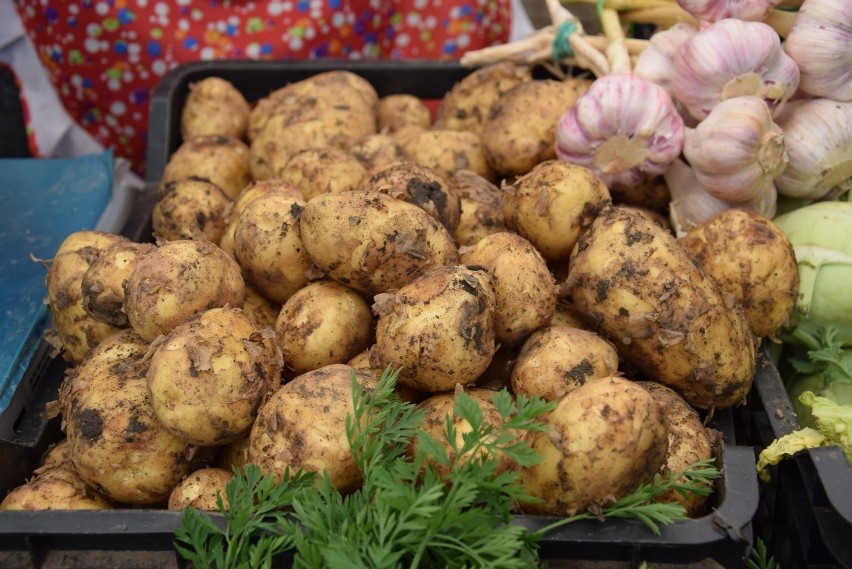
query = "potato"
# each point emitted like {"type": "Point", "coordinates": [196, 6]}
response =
{"type": "Point", "coordinates": [323, 323]}
{"type": "Point", "coordinates": [438, 329]}
{"type": "Point", "coordinates": [179, 279]}
{"type": "Point", "coordinates": [438, 408]}
{"type": "Point", "coordinates": [222, 160]}
{"type": "Point", "coordinates": [270, 249]}
{"type": "Point", "coordinates": [689, 442]}
{"type": "Point", "coordinates": [320, 170]}
{"type": "Point", "coordinates": [234, 209]}
{"type": "Point", "coordinates": [190, 207]}
{"type": "Point", "coordinates": [261, 311]}
{"type": "Point", "coordinates": [376, 152]}
{"type": "Point", "coordinates": [524, 289]}
{"type": "Point", "coordinates": [78, 330]}
{"type": "Point", "coordinates": [117, 444]}
{"type": "Point", "coordinates": [207, 377]}
{"type": "Point", "coordinates": [498, 374]}
{"type": "Point", "coordinates": [421, 185]}
{"type": "Point", "coordinates": [308, 121]}
{"type": "Point", "coordinates": [103, 282]}
{"type": "Point", "coordinates": [605, 438]}
{"type": "Point", "coordinates": [58, 488]}
{"type": "Point", "coordinates": [481, 205]}
{"type": "Point", "coordinates": [566, 315]}
{"type": "Point", "coordinates": [637, 287]}
{"type": "Point", "coordinates": [302, 425]}
{"type": "Point", "coordinates": [214, 106]}
{"type": "Point", "coordinates": [233, 455]}
{"type": "Point", "coordinates": [361, 362]}
{"type": "Point", "coordinates": [373, 242]}
{"type": "Point", "coordinates": [469, 102]}
{"type": "Point", "coordinates": [520, 131]}
{"type": "Point", "coordinates": [651, 194]}
{"type": "Point", "coordinates": [558, 359]}
{"type": "Point", "coordinates": [753, 260]}
{"type": "Point", "coordinates": [447, 151]}
{"type": "Point", "coordinates": [400, 110]}
{"type": "Point", "coordinates": [201, 490]}
{"type": "Point", "coordinates": [553, 205]}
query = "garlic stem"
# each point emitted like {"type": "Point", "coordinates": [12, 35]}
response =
{"type": "Point", "coordinates": [616, 49]}
{"type": "Point", "coordinates": [781, 21]}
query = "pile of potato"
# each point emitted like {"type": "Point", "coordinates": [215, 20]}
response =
{"type": "Point", "coordinates": [325, 231]}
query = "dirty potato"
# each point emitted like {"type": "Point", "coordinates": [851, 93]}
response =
{"type": "Point", "coordinates": [208, 376]}
{"type": "Point", "coordinates": [103, 283]}
{"type": "Point", "coordinates": [261, 311]}
{"type": "Point", "coordinates": [481, 205]}
{"type": "Point", "coordinates": [558, 359]}
{"type": "Point", "coordinates": [234, 209]}
{"type": "Point", "coordinates": [604, 439]}
{"type": "Point", "coordinates": [190, 207]}
{"type": "Point", "coordinates": [635, 285]}
{"type": "Point", "coordinates": [399, 110]}
{"type": "Point", "coordinates": [376, 152]}
{"type": "Point", "coordinates": [303, 425]}
{"type": "Point", "coordinates": [520, 131]}
{"type": "Point", "coordinates": [222, 160]}
{"type": "Point", "coordinates": [78, 330]}
{"type": "Point", "coordinates": [179, 279]}
{"type": "Point", "coordinates": [321, 324]}
{"type": "Point", "coordinates": [201, 490]}
{"type": "Point", "coordinates": [553, 205]}
{"type": "Point", "coordinates": [438, 329]}
{"type": "Point", "coordinates": [269, 246]}
{"type": "Point", "coordinates": [214, 106]}
{"type": "Point", "coordinates": [117, 444]}
{"type": "Point", "coordinates": [447, 151]}
{"type": "Point", "coordinates": [524, 289]}
{"type": "Point", "coordinates": [373, 242]}
{"type": "Point", "coordinates": [322, 170]}
{"type": "Point", "coordinates": [753, 260]}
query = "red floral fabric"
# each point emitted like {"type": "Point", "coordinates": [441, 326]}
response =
{"type": "Point", "coordinates": [106, 56]}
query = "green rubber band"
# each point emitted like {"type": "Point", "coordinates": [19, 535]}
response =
{"type": "Point", "coordinates": [561, 47]}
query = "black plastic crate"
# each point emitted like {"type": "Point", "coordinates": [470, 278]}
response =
{"type": "Point", "coordinates": [806, 506]}
{"type": "Point", "coordinates": [725, 534]}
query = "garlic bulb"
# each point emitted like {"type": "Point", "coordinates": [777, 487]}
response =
{"type": "Point", "coordinates": [713, 10]}
{"type": "Point", "coordinates": [820, 42]}
{"type": "Point", "coordinates": [818, 138]}
{"type": "Point", "coordinates": [656, 62]}
{"type": "Point", "coordinates": [737, 151]}
{"type": "Point", "coordinates": [732, 58]}
{"type": "Point", "coordinates": [623, 128]}
{"type": "Point", "coordinates": [691, 205]}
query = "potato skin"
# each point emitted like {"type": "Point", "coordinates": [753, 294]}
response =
{"type": "Point", "coordinates": [176, 280]}
{"type": "Point", "coordinates": [520, 130]}
{"type": "Point", "coordinates": [207, 377]}
{"type": "Point", "coordinates": [372, 242]}
{"type": "Point", "coordinates": [302, 425]}
{"type": "Point", "coordinates": [606, 437]}
{"type": "Point", "coordinates": [558, 359]}
{"type": "Point", "coordinates": [190, 207]}
{"type": "Point", "coordinates": [553, 205]}
{"type": "Point", "coordinates": [753, 260]}
{"type": "Point", "coordinates": [214, 106]}
{"type": "Point", "coordinates": [78, 331]}
{"type": "Point", "coordinates": [447, 151]}
{"type": "Point", "coordinates": [249, 194]}
{"type": "Point", "coordinates": [200, 489]}
{"type": "Point", "coordinates": [635, 285]}
{"type": "Point", "coordinates": [117, 444]}
{"type": "Point", "coordinates": [439, 329]}
{"type": "Point", "coordinates": [481, 205]}
{"type": "Point", "coordinates": [525, 290]}
{"type": "Point", "coordinates": [376, 152]}
{"type": "Point", "coordinates": [319, 170]}
{"type": "Point", "coordinates": [400, 110]}
{"type": "Point", "coordinates": [323, 323]}
{"type": "Point", "coordinates": [689, 441]}
{"type": "Point", "coordinates": [103, 283]}
{"type": "Point", "coordinates": [222, 160]}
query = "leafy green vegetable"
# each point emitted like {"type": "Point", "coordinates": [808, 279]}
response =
{"type": "Point", "coordinates": [760, 558]}
{"type": "Point", "coordinates": [405, 513]}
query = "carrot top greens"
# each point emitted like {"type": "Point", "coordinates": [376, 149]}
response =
{"type": "Point", "coordinates": [405, 514]}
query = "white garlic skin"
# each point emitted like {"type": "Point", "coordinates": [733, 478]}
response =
{"type": "Point", "coordinates": [623, 128]}
{"type": "Point", "coordinates": [713, 10]}
{"type": "Point", "coordinates": [820, 42]}
{"type": "Point", "coordinates": [818, 138]}
{"type": "Point", "coordinates": [737, 151]}
{"type": "Point", "coordinates": [733, 58]}
{"type": "Point", "coordinates": [656, 62]}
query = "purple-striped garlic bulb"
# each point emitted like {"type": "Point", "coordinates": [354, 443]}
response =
{"type": "Point", "coordinates": [656, 62]}
{"type": "Point", "coordinates": [714, 10]}
{"type": "Point", "coordinates": [820, 42]}
{"type": "Point", "coordinates": [737, 151]}
{"type": "Point", "coordinates": [733, 58]}
{"type": "Point", "coordinates": [623, 128]}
